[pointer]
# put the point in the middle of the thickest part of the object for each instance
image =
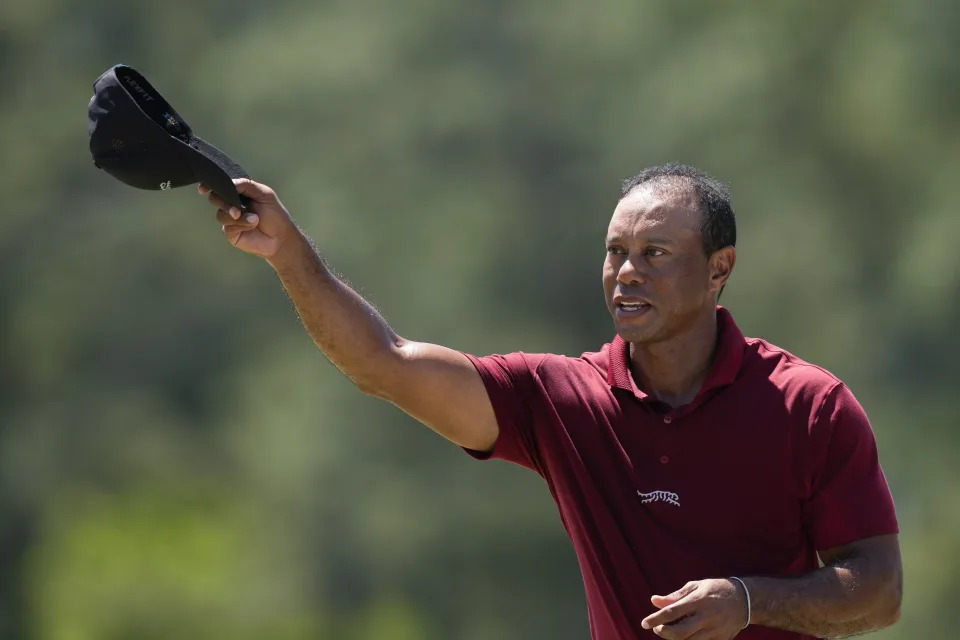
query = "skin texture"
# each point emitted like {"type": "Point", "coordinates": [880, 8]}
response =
{"type": "Point", "coordinates": [654, 254]}
{"type": "Point", "coordinates": [438, 386]}
{"type": "Point", "coordinates": [857, 590]}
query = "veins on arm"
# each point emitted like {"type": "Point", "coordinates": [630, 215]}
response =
{"type": "Point", "coordinates": [857, 590]}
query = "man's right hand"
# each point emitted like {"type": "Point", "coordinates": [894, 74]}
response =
{"type": "Point", "coordinates": [263, 229]}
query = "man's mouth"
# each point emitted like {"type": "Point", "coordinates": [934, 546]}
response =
{"type": "Point", "coordinates": [632, 306]}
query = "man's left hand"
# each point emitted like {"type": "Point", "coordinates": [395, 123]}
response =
{"type": "Point", "coordinates": [703, 610]}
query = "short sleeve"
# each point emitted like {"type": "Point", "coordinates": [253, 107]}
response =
{"type": "Point", "coordinates": [509, 380]}
{"type": "Point", "coordinates": [849, 499]}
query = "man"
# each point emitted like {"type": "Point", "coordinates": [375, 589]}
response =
{"type": "Point", "coordinates": [702, 477]}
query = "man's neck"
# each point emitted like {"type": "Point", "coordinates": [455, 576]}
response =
{"type": "Point", "coordinates": [673, 371]}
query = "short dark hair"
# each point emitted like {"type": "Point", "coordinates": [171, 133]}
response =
{"type": "Point", "coordinates": [718, 224]}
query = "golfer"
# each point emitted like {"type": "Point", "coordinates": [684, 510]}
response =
{"type": "Point", "coordinates": [713, 486]}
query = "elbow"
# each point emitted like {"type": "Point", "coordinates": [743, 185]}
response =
{"type": "Point", "coordinates": [365, 386]}
{"type": "Point", "coordinates": [888, 614]}
{"type": "Point", "coordinates": [887, 618]}
{"type": "Point", "coordinates": [367, 381]}
{"type": "Point", "coordinates": [379, 375]}
{"type": "Point", "coordinates": [380, 383]}
{"type": "Point", "coordinates": [892, 611]}
{"type": "Point", "coordinates": [894, 617]}
{"type": "Point", "coordinates": [370, 385]}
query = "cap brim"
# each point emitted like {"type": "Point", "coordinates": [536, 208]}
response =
{"type": "Point", "coordinates": [215, 169]}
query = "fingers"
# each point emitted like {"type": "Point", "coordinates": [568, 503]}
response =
{"type": "Point", "coordinates": [219, 202]}
{"type": "Point", "coordinates": [686, 629]}
{"type": "Point", "coordinates": [679, 594]}
{"type": "Point", "coordinates": [255, 191]}
{"type": "Point", "coordinates": [249, 221]}
{"type": "Point", "coordinates": [234, 229]}
{"type": "Point", "coordinates": [668, 615]}
{"type": "Point", "coordinates": [223, 205]}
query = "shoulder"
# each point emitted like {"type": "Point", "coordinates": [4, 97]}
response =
{"type": "Point", "coordinates": [801, 384]}
{"type": "Point", "coordinates": [786, 366]}
{"type": "Point", "coordinates": [565, 378]}
{"type": "Point", "coordinates": [560, 380]}
{"type": "Point", "coordinates": [591, 364]}
{"type": "Point", "coordinates": [817, 404]}
{"type": "Point", "coordinates": [569, 380]}
{"type": "Point", "coordinates": [547, 366]}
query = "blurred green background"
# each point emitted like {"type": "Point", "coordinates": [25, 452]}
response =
{"type": "Point", "coordinates": [178, 461]}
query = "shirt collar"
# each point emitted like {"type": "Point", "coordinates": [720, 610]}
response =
{"type": "Point", "coordinates": [723, 371]}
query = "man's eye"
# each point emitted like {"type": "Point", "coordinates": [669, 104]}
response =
{"type": "Point", "coordinates": [616, 251]}
{"type": "Point", "coordinates": [655, 252]}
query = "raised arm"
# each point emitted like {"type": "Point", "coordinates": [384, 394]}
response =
{"type": "Point", "coordinates": [438, 386]}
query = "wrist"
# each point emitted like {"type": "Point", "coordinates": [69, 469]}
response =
{"type": "Point", "coordinates": [741, 584]}
{"type": "Point", "coordinates": [759, 600]}
{"type": "Point", "coordinates": [291, 252]}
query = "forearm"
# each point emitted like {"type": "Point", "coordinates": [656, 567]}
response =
{"type": "Point", "coordinates": [846, 598]}
{"type": "Point", "coordinates": [349, 331]}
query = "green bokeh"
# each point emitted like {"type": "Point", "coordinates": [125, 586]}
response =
{"type": "Point", "coordinates": [176, 459]}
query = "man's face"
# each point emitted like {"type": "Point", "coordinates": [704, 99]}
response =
{"type": "Point", "coordinates": [656, 278]}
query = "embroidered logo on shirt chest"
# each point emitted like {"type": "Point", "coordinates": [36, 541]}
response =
{"type": "Point", "coordinates": [659, 496]}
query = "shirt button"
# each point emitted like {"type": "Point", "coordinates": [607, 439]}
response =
{"type": "Point", "coordinates": [667, 419]}
{"type": "Point", "coordinates": [664, 459]}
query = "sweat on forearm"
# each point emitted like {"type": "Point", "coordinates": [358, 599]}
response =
{"type": "Point", "coordinates": [348, 329]}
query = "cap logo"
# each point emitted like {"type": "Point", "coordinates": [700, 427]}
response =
{"type": "Point", "coordinates": [136, 87]}
{"type": "Point", "coordinates": [164, 186]}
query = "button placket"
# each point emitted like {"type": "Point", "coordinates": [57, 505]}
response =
{"type": "Point", "coordinates": [664, 457]}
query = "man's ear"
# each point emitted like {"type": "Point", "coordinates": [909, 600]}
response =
{"type": "Point", "coordinates": [721, 266]}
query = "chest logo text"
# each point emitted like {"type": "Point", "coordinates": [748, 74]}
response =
{"type": "Point", "coordinates": [659, 496]}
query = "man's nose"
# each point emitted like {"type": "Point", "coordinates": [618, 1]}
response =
{"type": "Point", "coordinates": [629, 273]}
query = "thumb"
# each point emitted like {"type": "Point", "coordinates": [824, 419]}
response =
{"type": "Point", "coordinates": [663, 601]}
{"type": "Point", "coordinates": [255, 191]}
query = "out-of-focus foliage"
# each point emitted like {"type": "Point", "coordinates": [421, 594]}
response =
{"type": "Point", "coordinates": [176, 460]}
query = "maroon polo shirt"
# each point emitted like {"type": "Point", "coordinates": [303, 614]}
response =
{"type": "Point", "coordinates": [773, 460]}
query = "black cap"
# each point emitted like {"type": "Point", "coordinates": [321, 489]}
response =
{"type": "Point", "coordinates": [139, 139]}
